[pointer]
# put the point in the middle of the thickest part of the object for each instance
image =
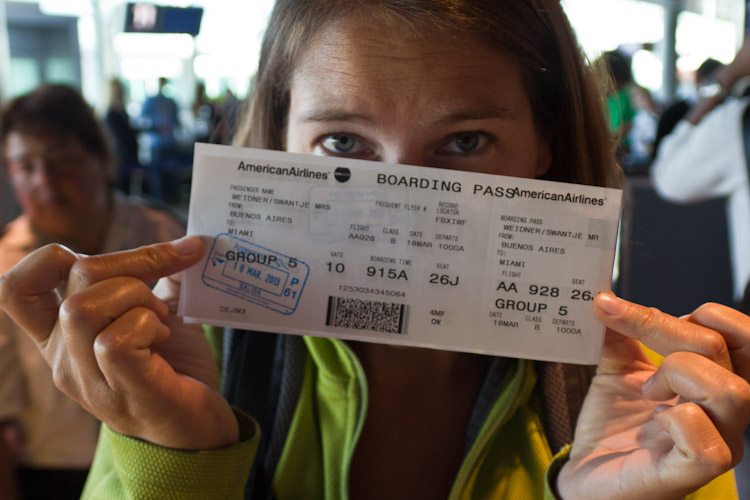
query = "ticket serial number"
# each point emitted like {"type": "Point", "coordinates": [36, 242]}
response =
{"type": "Point", "coordinates": [399, 254]}
{"type": "Point", "coordinates": [371, 291]}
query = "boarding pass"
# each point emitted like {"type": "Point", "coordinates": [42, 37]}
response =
{"type": "Point", "coordinates": [399, 254]}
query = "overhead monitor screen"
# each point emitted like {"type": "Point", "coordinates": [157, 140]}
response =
{"type": "Point", "coordinates": [151, 18]}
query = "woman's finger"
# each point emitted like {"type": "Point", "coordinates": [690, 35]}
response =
{"type": "Point", "coordinates": [153, 401]}
{"type": "Point", "coordinates": [84, 315]}
{"type": "Point", "coordinates": [124, 351]}
{"type": "Point", "coordinates": [101, 393]}
{"type": "Point", "coordinates": [659, 331]}
{"type": "Point", "coordinates": [723, 395]}
{"type": "Point", "coordinates": [29, 290]}
{"type": "Point", "coordinates": [699, 453]}
{"type": "Point", "coordinates": [147, 263]}
{"type": "Point", "coordinates": [734, 326]}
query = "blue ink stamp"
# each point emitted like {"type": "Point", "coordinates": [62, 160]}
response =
{"type": "Point", "coordinates": [255, 273]}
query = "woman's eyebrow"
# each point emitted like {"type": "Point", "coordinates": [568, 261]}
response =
{"type": "Point", "coordinates": [478, 113]}
{"type": "Point", "coordinates": [331, 115]}
{"type": "Point", "coordinates": [483, 113]}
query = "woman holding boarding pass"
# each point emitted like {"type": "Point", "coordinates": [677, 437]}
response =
{"type": "Point", "coordinates": [479, 85]}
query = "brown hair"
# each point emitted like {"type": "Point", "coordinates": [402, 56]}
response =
{"type": "Point", "coordinates": [58, 112]}
{"type": "Point", "coordinates": [565, 92]}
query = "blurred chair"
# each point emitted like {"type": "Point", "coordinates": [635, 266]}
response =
{"type": "Point", "coordinates": [674, 257]}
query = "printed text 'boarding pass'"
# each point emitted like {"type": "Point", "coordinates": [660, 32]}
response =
{"type": "Point", "coordinates": [399, 254]}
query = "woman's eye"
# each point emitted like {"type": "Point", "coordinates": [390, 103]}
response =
{"type": "Point", "coordinates": [465, 142]}
{"type": "Point", "coordinates": [340, 143]}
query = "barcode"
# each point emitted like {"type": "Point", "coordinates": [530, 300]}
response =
{"type": "Point", "coordinates": [358, 314]}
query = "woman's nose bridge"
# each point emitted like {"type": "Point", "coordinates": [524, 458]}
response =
{"type": "Point", "coordinates": [405, 151]}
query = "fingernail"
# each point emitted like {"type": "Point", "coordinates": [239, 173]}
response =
{"type": "Point", "coordinates": [163, 333]}
{"type": "Point", "coordinates": [648, 383]}
{"type": "Point", "coordinates": [661, 408]}
{"type": "Point", "coordinates": [162, 309]}
{"type": "Point", "coordinates": [186, 245]}
{"type": "Point", "coordinates": [610, 304]}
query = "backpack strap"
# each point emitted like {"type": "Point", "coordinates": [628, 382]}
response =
{"type": "Point", "coordinates": [746, 134]}
{"type": "Point", "coordinates": [563, 388]}
{"type": "Point", "coordinates": [745, 302]}
{"type": "Point", "coordinates": [262, 376]}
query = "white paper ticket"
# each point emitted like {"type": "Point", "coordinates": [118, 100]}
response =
{"type": "Point", "coordinates": [399, 254]}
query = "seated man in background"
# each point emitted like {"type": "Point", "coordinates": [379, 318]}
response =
{"type": "Point", "coordinates": [58, 160]}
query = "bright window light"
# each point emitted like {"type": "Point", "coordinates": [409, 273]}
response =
{"type": "Point", "coordinates": [605, 25]}
{"type": "Point", "coordinates": [699, 38]}
{"type": "Point", "coordinates": [647, 69]}
{"type": "Point", "coordinates": [153, 44]}
{"type": "Point", "coordinates": [150, 68]}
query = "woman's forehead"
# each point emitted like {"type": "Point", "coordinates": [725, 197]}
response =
{"type": "Point", "coordinates": [362, 63]}
{"type": "Point", "coordinates": [359, 38]}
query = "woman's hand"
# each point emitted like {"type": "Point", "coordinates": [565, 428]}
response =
{"type": "Point", "coordinates": [118, 348]}
{"type": "Point", "coordinates": [661, 433]}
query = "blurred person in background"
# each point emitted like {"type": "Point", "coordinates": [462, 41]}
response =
{"type": "Point", "coordinates": [619, 102]}
{"type": "Point", "coordinates": [58, 159]}
{"type": "Point", "coordinates": [8, 206]}
{"type": "Point", "coordinates": [160, 122]}
{"type": "Point", "coordinates": [632, 113]}
{"type": "Point", "coordinates": [223, 122]}
{"type": "Point", "coordinates": [704, 157]}
{"type": "Point", "coordinates": [672, 114]}
{"type": "Point", "coordinates": [643, 132]}
{"type": "Point", "coordinates": [124, 136]}
{"type": "Point", "coordinates": [202, 113]}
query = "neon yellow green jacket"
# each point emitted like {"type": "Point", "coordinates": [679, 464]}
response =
{"type": "Point", "coordinates": [509, 459]}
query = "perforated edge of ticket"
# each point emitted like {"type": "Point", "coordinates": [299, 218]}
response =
{"type": "Point", "coordinates": [399, 254]}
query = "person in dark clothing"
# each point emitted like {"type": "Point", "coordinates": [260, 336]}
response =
{"type": "Point", "coordinates": [123, 134]}
{"type": "Point", "coordinates": [160, 122]}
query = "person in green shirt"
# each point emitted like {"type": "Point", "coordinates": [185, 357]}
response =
{"type": "Point", "coordinates": [619, 103]}
{"type": "Point", "coordinates": [478, 85]}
